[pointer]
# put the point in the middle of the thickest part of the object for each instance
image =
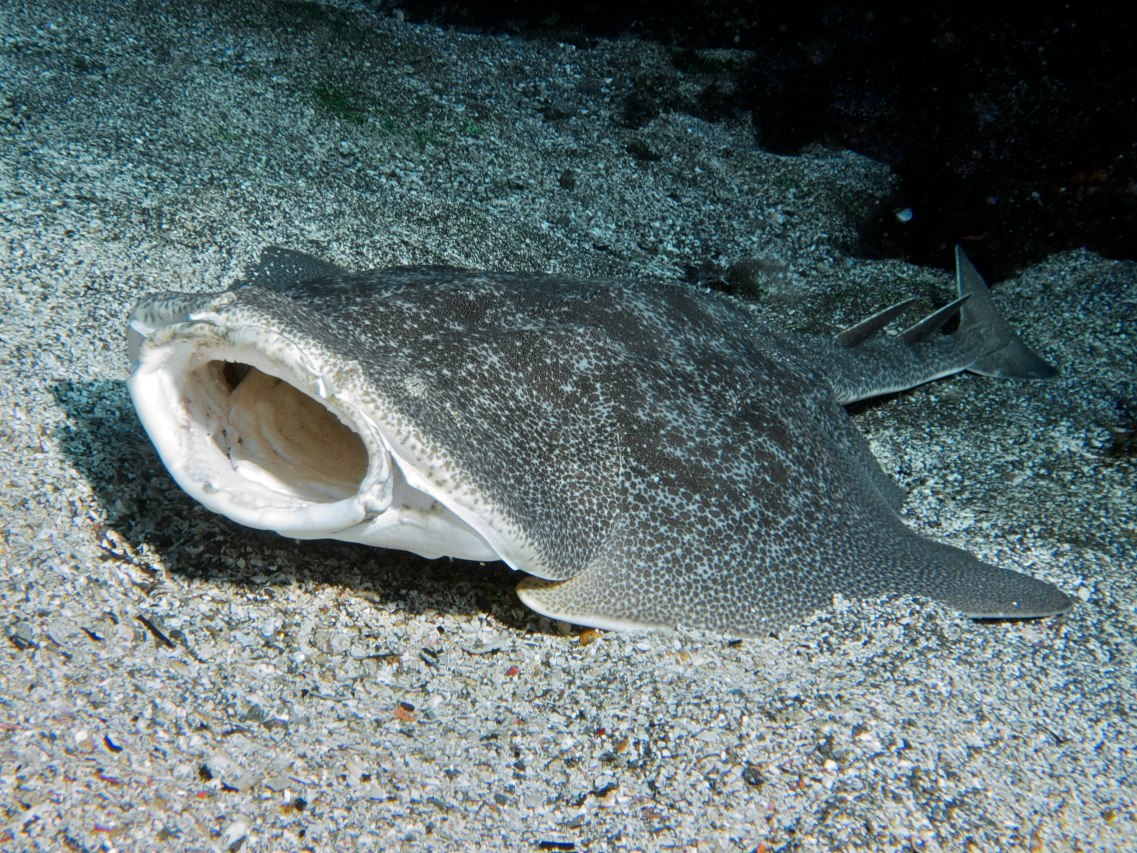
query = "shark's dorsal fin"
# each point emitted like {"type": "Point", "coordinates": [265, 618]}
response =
{"type": "Point", "coordinates": [933, 322]}
{"type": "Point", "coordinates": [869, 326]}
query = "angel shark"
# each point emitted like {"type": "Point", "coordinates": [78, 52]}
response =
{"type": "Point", "coordinates": [650, 454]}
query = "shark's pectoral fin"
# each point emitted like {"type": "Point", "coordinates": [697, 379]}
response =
{"type": "Point", "coordinates": [651, 574]}
{"type": "Point", "coordinates": [605, 596]}
{"type": "Point", "coordinates": [588, 599]}
{"type": "Point", "coordinates": [757, 601]}
{"type": "Point", "coordinates": [669, 591]}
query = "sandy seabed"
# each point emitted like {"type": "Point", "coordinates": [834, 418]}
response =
{"type": "Point", "coordinates": [169, 680]}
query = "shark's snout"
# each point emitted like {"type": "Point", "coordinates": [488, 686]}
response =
{"type": "Point", "coordinates": [260, 432]}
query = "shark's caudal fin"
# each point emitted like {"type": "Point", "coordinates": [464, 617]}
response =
{"type": "Point", "coordinates": [1009, 357]}
{"type": "Point", "coordinates": [868, 364]}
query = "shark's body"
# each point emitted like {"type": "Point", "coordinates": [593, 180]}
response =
{"type": "Point", "coordinates": [651, 454]}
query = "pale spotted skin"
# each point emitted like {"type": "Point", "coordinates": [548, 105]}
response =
{"type": "Point", "coordinates": [662, 456]}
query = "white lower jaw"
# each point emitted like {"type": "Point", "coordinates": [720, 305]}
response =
{"type": "Point", "coordinates": [253, 438]}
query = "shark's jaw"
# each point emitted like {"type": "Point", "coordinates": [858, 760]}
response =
{"type": "Point", "coordinates": [258, 431]}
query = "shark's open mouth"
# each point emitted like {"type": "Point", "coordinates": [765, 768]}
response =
{"type": "Point", "coordinates": [277, 435]}
{"type": "Point", "coordinates": [256, 431]}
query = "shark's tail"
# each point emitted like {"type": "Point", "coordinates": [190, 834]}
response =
{"type": "Point", "coordinates": [868, 364]}
{"type": "Point", "coordinates": [1008, 357]}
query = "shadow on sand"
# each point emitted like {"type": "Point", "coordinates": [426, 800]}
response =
{"type": "Point", "coordinates": [108, 446]}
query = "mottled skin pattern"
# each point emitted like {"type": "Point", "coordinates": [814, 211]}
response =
{"type": "Point", "coordinates": [663, 457]}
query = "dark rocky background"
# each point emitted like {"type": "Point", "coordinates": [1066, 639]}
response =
{"type": "Point", "coordinates": [1013, 133]}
